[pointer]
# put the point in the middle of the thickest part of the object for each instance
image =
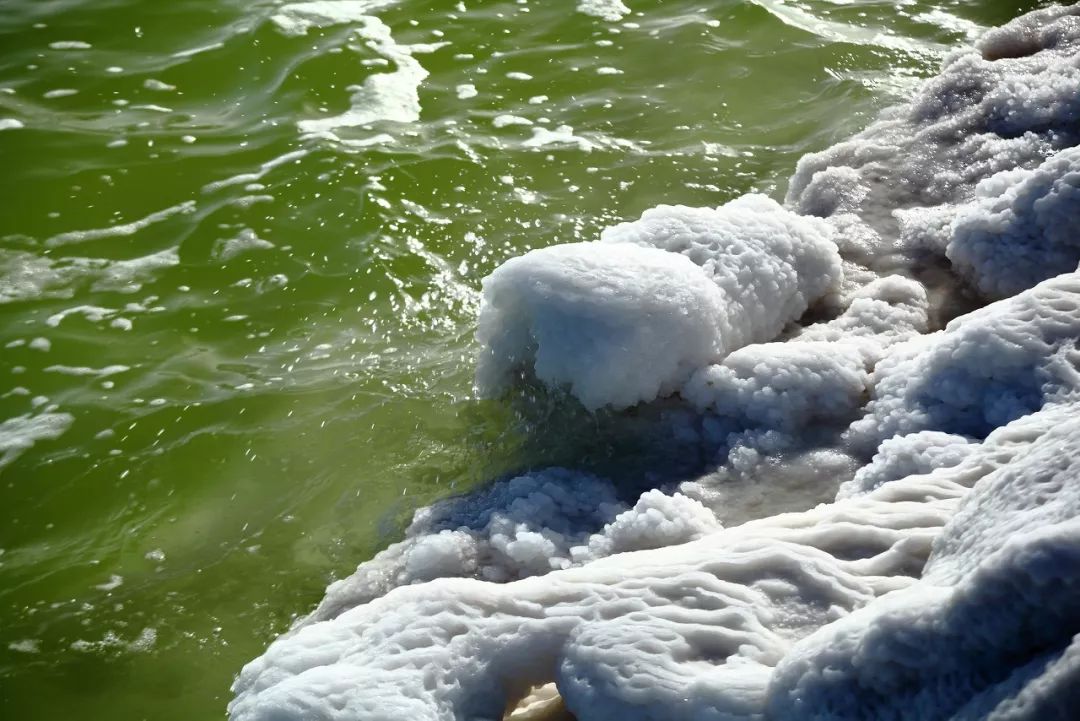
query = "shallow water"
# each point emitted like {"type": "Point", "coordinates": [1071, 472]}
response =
{"type": "Point", "coordinates": [236, 323]}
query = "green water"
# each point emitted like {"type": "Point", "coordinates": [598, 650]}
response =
{"type": "Point", "coordinates": [235, 356]}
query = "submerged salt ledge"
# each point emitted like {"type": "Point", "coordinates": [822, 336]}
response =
{"type": "Point", "coordinates": [943, 582]}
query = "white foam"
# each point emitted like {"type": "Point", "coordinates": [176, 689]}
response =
{"type": "Point", "coordinates": [87, 371]}
{"type": "Point", "coordinates": [25, 275]}
{"type": "Point", "coordinates": [297, 19]}
{"type": "Point", "coordinates": [245, 178]}
{"type": "Point", "coordinates": [70, 45]}
{"type": "Point", "coordinates": [19, 434]}
{"type": "Point", "coordinates": [506, 120]}
{"type": "Point", "coordinates": [610, 10]}
{"type": "Point", "coordinates": [122, 229]}
{"type": "Point", "coordinates": [158, 85]}
{"type": "Point", "coordinates": [92, 313]}
{"type": "Point", "coordinates": [245, 242]}
{"type": "Point", "coordinates": [392, 96]}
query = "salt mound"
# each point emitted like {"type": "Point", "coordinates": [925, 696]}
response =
{"type": "Point", "coordinates": [618, 324]}
{"type": "Point", "coordinates": [1008, 104]}
{"type": "Point", "coordinates": [1022, 227]}
{"type": "Point", "coordinates": [983, 371]}
{"type": "Point", "coordinates": [630, 318]}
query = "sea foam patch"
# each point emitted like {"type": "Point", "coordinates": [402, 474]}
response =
{"type": "Point", "coordinates": [391, 96]}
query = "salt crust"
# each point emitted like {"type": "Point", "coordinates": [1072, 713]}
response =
{"type": "Point", "coordinates": [656, 299]}
{"type": "Point", "coordinates": [943, 582]}
{"type": "Point", "coordinates": [946, 172]}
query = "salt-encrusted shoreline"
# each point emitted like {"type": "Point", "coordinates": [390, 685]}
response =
{"type": "Point", "coordinates": [944, 580]}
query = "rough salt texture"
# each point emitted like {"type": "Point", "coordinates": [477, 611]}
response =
{"type": "Point", "coordinates": [1022, 227]}
{"type": "Point", "coordinates": [818, 614]}
{"type": "Point", "coordinates": [770, 263]}
{"type": "Point", "coordinates": [1009, 103]}
{"type": "Point", "coordinates": [695, 626]}
{"type": "Point", "coordinates": [525, 526]}
{"type": "Point", "coordinates": [984, 370]}
{"type": "Point", "coordinates": [820, 374]}
{"type": "Point", "coordinates": [999, 599]}
{"type": "Point", "coordinates": [629, 319]}
{"type": "Point", "coordinates": [910, 455]}
{"type": "Point", "coordinates": [516, 528]}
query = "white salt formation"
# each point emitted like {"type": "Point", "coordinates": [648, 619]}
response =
{"type": "Point", "coordinates": [821, 374]}
{"type": "Point", "coordinates": [523, 527]}
{"type": "Point", "coordinates": [1021, 227]}
{"type": "Point", "coordinates": [984, 370]}
{"type": "Point", "coordinates": [941, 584]}
{"type": "Point", "coordinates": [630, 318]}
{"type": "Point", "coordinates": [1007, 105]}
{"type": "Point", "coordinates": [575, 312]}
{"type": "Point", "coordinates": [993, 618]}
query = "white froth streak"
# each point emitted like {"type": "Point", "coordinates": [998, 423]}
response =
{"type": "Point", "coordinates": [19, 434]}
{"type": "Point", "coordinates": [296, 19]}
{"type": "Point", "coordinates": [87, 371]}
{"type": "Point", "coordinates": [93, 313]}
{"type": "Point", "coordinates": [245, 178]}
{"type": "Point", "coordinates": [118, 231]}
{"type": "Point", "coordinates": [393, 96]}
{"type": "Point", "coordinates": [564, 135]}
{"type": "Point", "coordinates": [190, 52]}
